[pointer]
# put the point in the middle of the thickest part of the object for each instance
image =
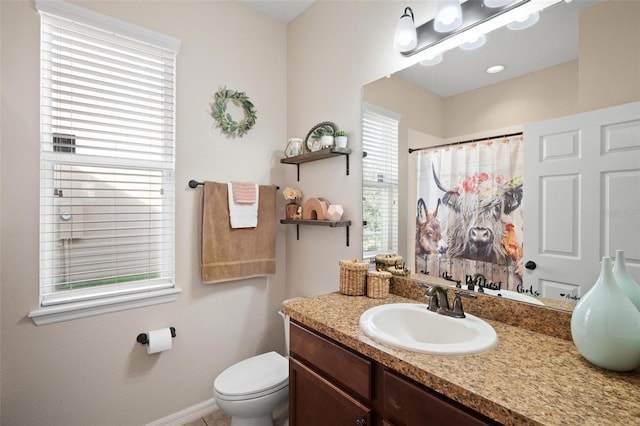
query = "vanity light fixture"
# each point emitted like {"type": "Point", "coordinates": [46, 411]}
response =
{"type": "Point", "coordinates": [477, 20]}
{"type": "Point", "coordinates": [497, 3]}
{"type": "Point", "coordinates": [524, 22]}
{"type": "Point", "coordinates": [495, 69]}
{"type": "Point", "coordinates": [406, 38]}
{"type": "Point", "coordinates": [448, 16]}
{"type": "Point", "coordinates": [432, 60]}
{"type": "Point", "coordinates": [474, 42]}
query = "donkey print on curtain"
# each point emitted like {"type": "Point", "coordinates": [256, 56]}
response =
{"type": "Point", "coordinates": [469, 215]}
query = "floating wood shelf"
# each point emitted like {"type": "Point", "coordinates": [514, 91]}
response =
{"type": "Point", "coordinates": [317, 155]}
{"type": "Point", "coordinates": [328, 223]}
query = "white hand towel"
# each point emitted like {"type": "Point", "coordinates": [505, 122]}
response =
{"type": "Point", "coordinates": [242, 215]}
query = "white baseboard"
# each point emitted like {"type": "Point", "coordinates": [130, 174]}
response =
{"type": "Point", "coordinates": [187, 415]}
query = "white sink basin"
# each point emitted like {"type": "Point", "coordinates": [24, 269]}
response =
{"type": "Point", "coordinates": [413, 327]}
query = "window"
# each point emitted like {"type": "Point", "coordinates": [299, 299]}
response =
{"type": "Point", "coordinates": [379, 181]}
{"type": "Point", "coordinates": [107, 164]}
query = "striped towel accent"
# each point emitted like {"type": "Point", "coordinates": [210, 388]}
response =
{"type": "Point", "coordinates": [244, 192]}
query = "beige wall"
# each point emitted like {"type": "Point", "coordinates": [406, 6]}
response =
{"type": "Point", "coordinates": [610, 54]}
{"type": "Point", "coordinates": [91, 371]}
{"type": "Point", "coordinates": [551, 92]}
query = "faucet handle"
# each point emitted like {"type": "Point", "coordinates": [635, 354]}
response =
{"type": "Point", "coordinates": [458, 310]}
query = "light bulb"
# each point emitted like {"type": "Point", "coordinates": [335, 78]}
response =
{"type": "Point", "coordinates": [405, 38]}
{"type": "Point", "coordinates": [497, 3]}
{"type": "Point", "coordinates": [448, 16]}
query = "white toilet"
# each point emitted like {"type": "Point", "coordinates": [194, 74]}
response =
{"type": "Point", "coordinates": [251, 390]}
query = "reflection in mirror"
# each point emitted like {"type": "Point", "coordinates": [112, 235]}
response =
{"type": "Point", "coordinates": [545, 77]}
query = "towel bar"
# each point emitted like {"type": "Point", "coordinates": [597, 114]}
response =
{"type": "Point", "coordinates": [195, 184]}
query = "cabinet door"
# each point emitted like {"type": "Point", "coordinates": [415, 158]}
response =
{"type": "Point", "coordinates": [342, 366]}
{"type": "Point", "coordinates": [408, 404]}
{"type": "Point", "coordinates": [313, 401]}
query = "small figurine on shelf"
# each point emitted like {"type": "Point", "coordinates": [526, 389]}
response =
{"type": "Point", "coordinates": [292, 195]}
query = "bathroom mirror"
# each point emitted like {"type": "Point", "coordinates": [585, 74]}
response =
{"type": "Point", "coordinates": [550, 44]}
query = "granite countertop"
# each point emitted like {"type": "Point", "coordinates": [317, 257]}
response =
{"type": "Point", "coordinates": [529, 378]}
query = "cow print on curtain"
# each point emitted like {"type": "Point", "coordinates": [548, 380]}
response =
{"type": "Point", "coordinates": [469, 212]}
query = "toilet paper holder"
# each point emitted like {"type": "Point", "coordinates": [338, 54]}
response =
{"type": "Point", "coordinates": [144, 339]}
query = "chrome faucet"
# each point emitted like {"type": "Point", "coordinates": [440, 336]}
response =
{"type": "Point", "coordinates": [439, 303]}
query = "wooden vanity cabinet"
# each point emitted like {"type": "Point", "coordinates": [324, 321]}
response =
{"type": "Point", "coordinates": [315, 401]}
{"type": "Point", "coordinates": [408, 403]}
{"type": "Point", "coordinates": [330, 384]}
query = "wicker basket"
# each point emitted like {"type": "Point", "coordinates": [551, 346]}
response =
{"type": "Point", "coordinates": [353, 277]}
{"type": "Point", "coordinates": [391, 263]}
{"type": "Point", "coordinates": [378, 284]}
{"type": "Point", "coordinates": [384, 261]}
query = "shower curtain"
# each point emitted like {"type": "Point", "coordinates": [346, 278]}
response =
{"type": "Point", "coordinates": [469, 213]}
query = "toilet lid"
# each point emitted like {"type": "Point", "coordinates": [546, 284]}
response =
{"type": "Point", "coordinates": [253, 377]}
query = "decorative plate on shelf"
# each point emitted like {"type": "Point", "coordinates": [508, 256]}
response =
{"type": "Point", "coordinates": [312, 141]}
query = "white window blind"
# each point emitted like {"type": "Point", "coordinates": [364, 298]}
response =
{"type": "Point", "coordinates": [379, 181]}
{"type": "Point", "coordinates": [107, 161]}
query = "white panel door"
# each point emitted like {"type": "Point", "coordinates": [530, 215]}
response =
{"type": "Point", "coordinates": [581, 198]}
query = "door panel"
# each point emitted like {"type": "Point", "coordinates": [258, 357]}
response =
{"type": "Point", "coordinates": [581, 198]}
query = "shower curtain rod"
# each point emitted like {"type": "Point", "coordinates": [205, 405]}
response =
{"type": "Point", "coordinates": [461, 142]}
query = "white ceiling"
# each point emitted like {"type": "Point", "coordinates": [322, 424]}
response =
{"type": "Point", "coordinates": [553, 40]}
{"type": "Point", "coordinates": [280, 10]}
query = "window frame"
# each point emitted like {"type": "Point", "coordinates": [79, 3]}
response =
{"type": "Point", "coordinates": [104, 299]}
{"type": "Point", "coordinates": [390, 213]}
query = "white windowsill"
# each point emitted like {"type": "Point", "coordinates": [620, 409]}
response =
{"type": "Point", "coordinates": [71, 311]}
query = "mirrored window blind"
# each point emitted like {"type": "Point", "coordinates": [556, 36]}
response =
{"type": "Point", "coordinates": [107, 162]}
{"type": "Point", "coordinates": [379, 181]}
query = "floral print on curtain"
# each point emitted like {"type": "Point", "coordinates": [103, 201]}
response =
{"type": "Point", "coordinates": [469, 218]}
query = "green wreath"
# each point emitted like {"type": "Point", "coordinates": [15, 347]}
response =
{"type": "Point", "coordinates": [224, 119]}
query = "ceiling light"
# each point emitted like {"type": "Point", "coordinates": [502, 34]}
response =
{"type": "Point", "coordinates": [406, 37]}
{"type": "Point", "coordinates": [497, 3]}
{"type": "Point", "coordinates": [524, 22]}
{"type": "Point", "coordinates": [477, 19]}
{"type": "Point", "coordinates": [495, 69]}
{"type": "Point", "coordinates": [432, 60]}
{"type": "Point", "coordinates": [474, 42]}
{"type": "Point", "coordinates": [448, 16]}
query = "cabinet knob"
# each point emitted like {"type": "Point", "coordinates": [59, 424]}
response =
{"type": "Point", "coordinates": [361, 422]}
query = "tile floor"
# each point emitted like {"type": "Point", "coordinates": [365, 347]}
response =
{"type": "Point", "coordinates": [217, 418]}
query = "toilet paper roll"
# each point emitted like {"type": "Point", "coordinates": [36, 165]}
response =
{"type": "Point", "coordinates": [159, 340]}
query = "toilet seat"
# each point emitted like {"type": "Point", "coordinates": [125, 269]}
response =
{"type": "Point", "coordinates": [253, 377]}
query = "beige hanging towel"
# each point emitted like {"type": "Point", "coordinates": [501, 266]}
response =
{"type": "Point", "coordinates": [232, 254]}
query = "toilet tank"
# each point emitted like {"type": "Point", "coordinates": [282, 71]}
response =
{"type": "Point", "coordinates": [285, 319]}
